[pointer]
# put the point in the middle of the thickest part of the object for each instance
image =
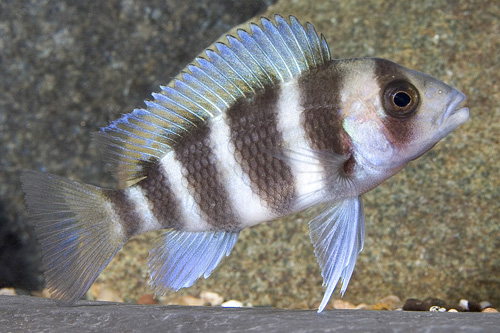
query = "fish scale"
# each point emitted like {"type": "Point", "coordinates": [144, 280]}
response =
{"type": "Point", "coordinates": [158, 192]}
{"type": "Point", "coordinates": [254, 132]}
{"type": "Point", "coordinates": [201, 171]}
{"type": "Point", "coordinates": [260, 127]}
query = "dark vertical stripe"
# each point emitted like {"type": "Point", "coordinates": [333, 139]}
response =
{"type": "Point", "coordinates": [125, 211]}
{"type": "Point", "coordinates": [194, 151]}
{"type": "Point", "coordinates": [255, 135]}
{"type": "Point", "coordinates": [400, 131]}
{"type": "Point", "coordinates": [156, 189]}
{"type": "Point", "coordinates": [320, 98]}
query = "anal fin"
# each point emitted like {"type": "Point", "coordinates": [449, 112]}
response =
{"type": "Point", "coordinates": [179, 258]}
{"type": "Point", "coordinates": [338, 236]}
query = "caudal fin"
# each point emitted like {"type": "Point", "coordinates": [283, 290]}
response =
{"type": "Point", "coordinates": [76, 229]}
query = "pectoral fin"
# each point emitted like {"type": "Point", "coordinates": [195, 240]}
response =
{"type": "Point", "coordinates": [338, 235]}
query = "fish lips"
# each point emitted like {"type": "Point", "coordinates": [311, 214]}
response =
{"type": "Point", "coordinates": [454, 115]}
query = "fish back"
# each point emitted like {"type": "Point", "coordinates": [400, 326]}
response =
{"type": "Point", "coordinates": [270, 54]}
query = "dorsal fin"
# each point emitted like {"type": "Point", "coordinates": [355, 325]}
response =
{"type": "Point", "coordinates": [271, 53]}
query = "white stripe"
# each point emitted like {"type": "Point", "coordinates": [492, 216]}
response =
{"type": "Point", "coordinates": [308, 173]}
{"type": "Point", "coordinates": [245, 203]}
{"type": "Point", "coordinates": [189, 209]}
{"type": "Point", "coordinates": [142, 207]}
{"type": "Point", "coordinates": [114, 218]}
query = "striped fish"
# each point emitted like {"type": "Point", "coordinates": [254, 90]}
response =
{"type": "Point", "coordinates": [261, 126]}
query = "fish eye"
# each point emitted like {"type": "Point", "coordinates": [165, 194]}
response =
{"type": "Point", "coordinates": [400, 99]}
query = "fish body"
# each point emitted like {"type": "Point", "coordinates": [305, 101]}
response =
{"type": "Point", "coordinates": [263, 126]}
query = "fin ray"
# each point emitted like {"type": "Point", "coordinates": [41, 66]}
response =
{"type": "Point", "coordinates": [315, 43]}
{"type": "Point", "coordinates": [239, 67]}
{"type": "Point", "coordinates": [293, 45]}
{"type": "Point", "coordinates": [226, 69]}
{"type": "Point", "coordinates": [319, 173]}
{"type": "Point", "coordinates": [76, 230]}
{"type": "Point", "coordinates": [280, 47]}
{"type": "Point", "coordinates": [270, 53]}
{"type": "Point", "coordinates": [242, 52]}
{"type": "Point", "coordinates": [179, 258]}
{"type": "Point", "coordinates": [337, 235]}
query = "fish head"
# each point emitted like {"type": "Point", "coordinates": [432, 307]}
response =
{"type": "Point", "coordinates": [397, 114]}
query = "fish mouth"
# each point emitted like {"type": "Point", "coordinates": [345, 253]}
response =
{"type": "Point", "coordinates": [454, 115]}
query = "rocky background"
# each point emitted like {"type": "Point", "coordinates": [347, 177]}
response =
{"type": "Point", "coordinates": [433, 230]}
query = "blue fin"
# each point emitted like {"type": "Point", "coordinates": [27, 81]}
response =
{"type": "Point", "coordinates": [338, 235]}
{"type": "Point", "coordinates": [76, 230]}
{"type": "Point", "coordinates": [271, 53]}
{"type": "Point", "coordinates": [179, 258]}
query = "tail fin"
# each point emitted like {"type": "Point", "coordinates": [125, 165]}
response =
{"type": "Point", "coordinates": [77, 231]}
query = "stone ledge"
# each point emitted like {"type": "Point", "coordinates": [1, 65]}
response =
{"type": "Point", "coordinates": [32, 314]}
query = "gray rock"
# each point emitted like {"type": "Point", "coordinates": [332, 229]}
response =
{"type": "Point", "coordinates": [23, 314]}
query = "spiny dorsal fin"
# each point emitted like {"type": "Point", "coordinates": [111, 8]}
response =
{"type": "Point", "coordinates": [271, 53]}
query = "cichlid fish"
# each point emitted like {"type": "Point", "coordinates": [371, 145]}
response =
{"type": "Point", "coordinates": [261, 126]}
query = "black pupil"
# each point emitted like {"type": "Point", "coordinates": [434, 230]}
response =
{"type": "Point", "coordinates": [402, 99]}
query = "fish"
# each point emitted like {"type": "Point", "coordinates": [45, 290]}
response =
{"type": "Point", "coordinates": [261, 125]}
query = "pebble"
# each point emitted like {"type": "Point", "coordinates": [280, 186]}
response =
{"type": "Point", "coordinates": [413, 304]}
{"type": "Point", "coordinates": [8, 291]}
{"type": "Point", "coordinates": [392, 302]}
{"type": "Point", "coordinates": [362, 306]}
{"type": "Point", "coordinates": [381, 307]}
{"type": "Point", "coordinates": [436, 301]}
{"type": "Point", "coordinates": [436, 308]}
{"type": "Point", "coordinates": [437, 305]}
{"type": "Point", "coordinates": [387, 303]}
{"type": "Point", "coordinates": [485, 304]}
{"type": "Point", "coordinates": [211, 298]}
{"type": "Point", "coordinates": [490, 310]}
{"type": "Point", "coordinates": [232, 304]}
{"type": "Point", "coordinates": [463, 305]}
{"type": "Point", "coordinates": [341, 304]}
{"type": "Point", "coordinates": [470, 306]}
{"type": "Point", "coordinates": [99, 293]}
{"type": "Point", "coordinates": [108, 295]}
{"type": "Point", "coordinates": [147, 299]}
{"type": "Point", "coordinates": [44, 293]}
{"type": "Point", "coordinates": [475, 306]}
{"type": "Point", "coordinates": [189, 300]}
